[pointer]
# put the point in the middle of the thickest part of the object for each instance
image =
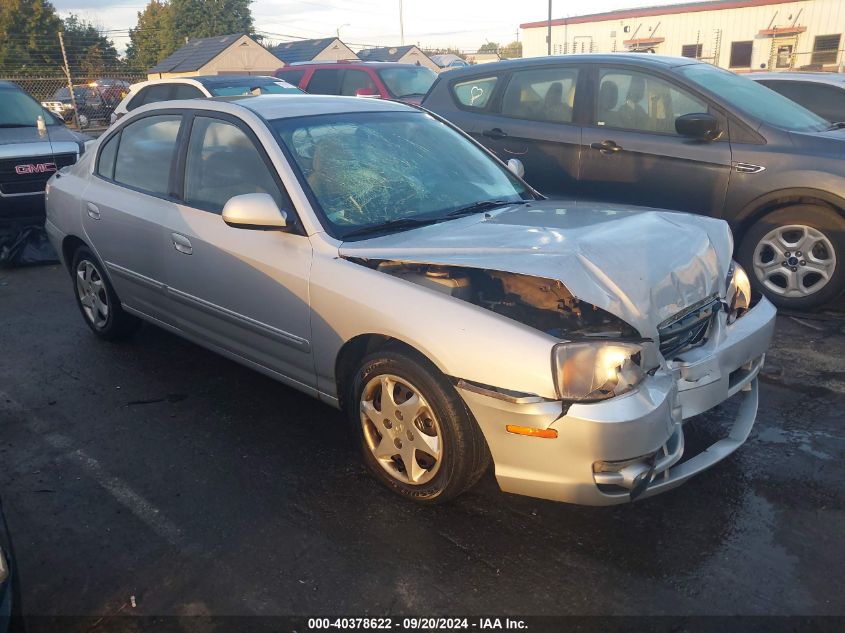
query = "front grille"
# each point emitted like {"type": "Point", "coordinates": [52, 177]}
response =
{"type": "Point", "coordinates": [12, 182]}
{"type": "Point", "coordinates": [688, 328]}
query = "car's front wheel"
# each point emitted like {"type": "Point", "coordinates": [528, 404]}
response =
{"type": "Point", "coordinates": [796, 256]}
{"type": "Point", "coordinates": [97, 299]}
{"type": "Point", "coordinates": [417, 436]}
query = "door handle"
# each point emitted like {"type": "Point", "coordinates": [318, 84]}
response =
{"type": "Point", "coordinates": [182, 243]}
{"type": "Point", "coordinates": [93, 211]}
{"type": "Point", "coordinates": [496, 133]}
{"type": "Point", "coordinates": [606, 147]}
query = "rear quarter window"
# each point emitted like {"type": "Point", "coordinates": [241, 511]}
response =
{"type": "Point", "coordinates": [293, 77]}
{"type": "Point", "coordinates": [474, 93]}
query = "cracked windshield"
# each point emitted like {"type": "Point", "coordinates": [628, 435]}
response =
{"type": "Point", "coordinates": [370, 169]}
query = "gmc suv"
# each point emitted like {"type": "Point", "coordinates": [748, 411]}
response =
{"type": "Point", "coordinates": [34, 144]}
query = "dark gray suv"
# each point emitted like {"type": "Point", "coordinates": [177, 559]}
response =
{"type": "Point", "coordinates": [672, 133]}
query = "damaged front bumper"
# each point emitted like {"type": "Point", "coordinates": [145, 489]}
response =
{"type": "Point", "coordinates": [607, 452]}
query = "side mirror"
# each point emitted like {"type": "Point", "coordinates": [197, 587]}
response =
{"type": "Point", "coordinates": [370, 93]}
{"type": "Point", "coordinates": [254, 211]}
{"type": "Point", "coordinates": [701, 126]}
{"type": "Point", "coordinates": [516, 166]}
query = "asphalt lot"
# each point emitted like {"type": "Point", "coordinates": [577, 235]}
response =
{"type": "Point", "coordinates": [156, 471]}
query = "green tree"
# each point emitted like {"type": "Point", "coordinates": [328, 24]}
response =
{"type": "Point", "coordinates": [29, 37]}
{"type": "Point", "coordinates": [152, 38]}
{"type": "Point", "coordinates": [89, 52]}
{"type": "Point", "coordinates": [511, 51]}
{"type": "Point", "coordinates": [193, 19]}
{"type": "Point", "coordinates": [489, 47]}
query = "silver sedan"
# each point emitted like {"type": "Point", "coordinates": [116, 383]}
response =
{"type": "Point", "coordinates": [371, 255]}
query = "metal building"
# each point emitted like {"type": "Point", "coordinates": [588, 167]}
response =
{"type": "Point", "coordinates": [742, 35]}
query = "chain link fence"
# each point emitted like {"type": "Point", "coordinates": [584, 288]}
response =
{"type": "Point", "coordinates": [96, 97]}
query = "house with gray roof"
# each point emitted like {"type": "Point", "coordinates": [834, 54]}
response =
{"type": "Point", "coordinates": [321, 50]}
{"type": "Point", "coordinates": [235, 54]}
{"type": "Point", "coordinates": [402, 54]}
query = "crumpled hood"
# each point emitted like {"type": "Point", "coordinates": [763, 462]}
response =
{"type": "Point", "coordinates": [640, 264]}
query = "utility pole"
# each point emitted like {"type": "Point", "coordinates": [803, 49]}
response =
{"type": "Point", "coordinates": [402, 25]}
{"type": "Point", "coordinates": [69, 81]}
{"type": "Point", "coordinates": [549, 32]}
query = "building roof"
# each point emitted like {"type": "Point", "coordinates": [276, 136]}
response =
{"type": "Point", "coordinates": [195, 54]}
{"type": "Point", "coordinates": [302, 50]}
{"type": "Point", "coordinates": [650, 11]}
{"type": "Point", "coordinates": [385, 54]}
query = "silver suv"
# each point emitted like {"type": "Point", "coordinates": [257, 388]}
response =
{"type": "Point", "coordinates": [373, 256]}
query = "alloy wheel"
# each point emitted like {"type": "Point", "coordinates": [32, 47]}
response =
{"type": "Point", "coordinates": [91, 290]}
{"type": "Point", "coordinates": [794, 260]}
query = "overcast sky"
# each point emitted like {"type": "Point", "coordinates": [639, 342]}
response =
{"type": "Point", "coordinates": [465, 24]}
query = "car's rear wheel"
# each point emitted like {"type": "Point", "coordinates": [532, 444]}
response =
{"type": "Point", "coordinates": [796, 256]}
{"type": "Point", "coordinates": [97, 300]}
{"type": "Point", "coordinates": [417, 436]}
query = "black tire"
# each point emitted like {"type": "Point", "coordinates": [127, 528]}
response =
{"type": "Point", "coordinates": [465, 456]}
{"type": "Point", "coordinates": [824, 220]}
{"type": "Point", "coordinates": [118, 324]}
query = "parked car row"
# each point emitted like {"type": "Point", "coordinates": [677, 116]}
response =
{"type": "Point", "coordinates": [201, 87]}
{"type": "Point", "coordinates": [381, 80]}
{"type": "Point", "coordinates": [672, 133]}
{"type": "Point", "coordinates": [95, 101]}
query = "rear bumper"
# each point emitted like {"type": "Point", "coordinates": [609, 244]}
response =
{"type": "Point", "coordinates": [603, 449]}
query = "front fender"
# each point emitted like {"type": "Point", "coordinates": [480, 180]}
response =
{"type": "Point", "coordinates": [461, 339]}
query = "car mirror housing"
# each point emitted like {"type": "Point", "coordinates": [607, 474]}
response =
{"type": "Point", "coordinates": [701, 126]}
{"type": "Point", "coordinates": [516, 166]}
{"type": "Point", "coordinates": [256, 211]}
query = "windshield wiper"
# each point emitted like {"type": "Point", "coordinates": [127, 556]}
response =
{"type": "Point", "coordinates": [836, 126]}
{"type": "Point", "coordinates": [399, 223]}
{"type": "Point", "coordinates": [484, 205]}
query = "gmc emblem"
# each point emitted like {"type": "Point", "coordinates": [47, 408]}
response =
{"type": "Point", "coordinates": [39, 168]}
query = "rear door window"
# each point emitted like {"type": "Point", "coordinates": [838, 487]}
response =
{"type": "Point", "coordinates": [474, 93]}
{"type": "Point", "coordinates": [355, 80]}
{"type": "Point", "coordinates": [146, 154]}
{"type": "Point", "coordinates": [150, 94]}
{"type": "Point", "coordinates": [325, 82]}
{"type": "Point", "coordinates": [826, 101]}
{"type": "Point", "coordinates": [293, 77]}
{"type": "Point", "coordinates": [546, 94]}
{"type": "Point", "coordinates": [185, 91]}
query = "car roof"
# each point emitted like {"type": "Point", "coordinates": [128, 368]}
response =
{"type": "Point", "coordinates": [644, 59]}
{"type": "Point", "coordinates": [836, 79]}
{"type": "Point", "coordinates": [348, 62]}
{"type": "Point", "coordinates": [209, 80]}
{"type": "Point", "coordinates": [8, 85]}
{"type": "Point", "coordinates": [288, 105]}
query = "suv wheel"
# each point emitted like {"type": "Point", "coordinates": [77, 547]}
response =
{"type": "Point", "coordinates": [796, 256]}
{"type": "Point", "coordinates": [417, 436]}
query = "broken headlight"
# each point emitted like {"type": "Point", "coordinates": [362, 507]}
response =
{"type": "Point", "coordinates": [587, 371]}
{"type": "Point", "coordinates": [738, 296]}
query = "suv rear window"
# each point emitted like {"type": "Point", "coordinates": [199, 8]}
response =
{"type": "Point", "coordinates": [325, 82]}
{"type": "Point", "coordinates": [474, 93]}
{"type": "Point", "coordinates": [293, 77]}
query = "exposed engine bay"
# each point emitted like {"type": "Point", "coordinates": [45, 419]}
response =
{"type": "Point", "coordinates": [544, 304]}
